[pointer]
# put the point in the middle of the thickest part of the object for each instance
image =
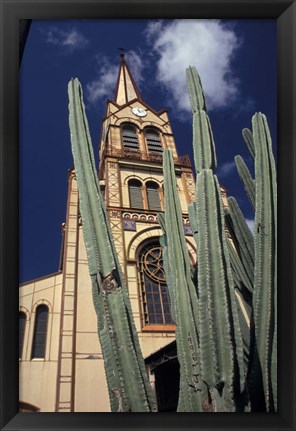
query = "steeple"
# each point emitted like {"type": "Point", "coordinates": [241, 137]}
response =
{"type": "Point", "coordinates": [126, 89]}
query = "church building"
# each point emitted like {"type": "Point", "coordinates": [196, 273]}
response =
{"type": "Point", "coordinates": [60, 358]}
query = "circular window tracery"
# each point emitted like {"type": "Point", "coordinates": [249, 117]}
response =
{"type": "Point", "coordinates": [153, 264]}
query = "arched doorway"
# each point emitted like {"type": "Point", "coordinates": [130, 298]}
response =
{"type": "Point", "coordinates": [166, 369]}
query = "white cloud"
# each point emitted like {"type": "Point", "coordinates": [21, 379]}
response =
{"type": "Point", "coordinates": [251, 223]}
{"type": "Point", "coordinates": [153, 27]}
{"type": "Point", "coordinates": [225, 169]}
{"type": "Point", "coordinates": [104, 85]}
{"type": "Point", "coordinates": [206, 44]}
{"type": "Point", "coordinates": [70, 39]}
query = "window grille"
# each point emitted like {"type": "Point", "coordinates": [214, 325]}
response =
{"type": "Point", "coordinates": [152, 190]}
{"type": "Point", "coordinates": [153, 141]}
{"type": "Point", "coordinates": [130, 137]}
{"type": "Point", "coordinates": [40, 331]}
{"type": "Point", "coordinates": [135, 194]}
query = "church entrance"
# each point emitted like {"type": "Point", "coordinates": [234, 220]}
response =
{"type": "Point", "coordinates": [166, 369]}
{"type": "Point", "coordinates": [167, 377]}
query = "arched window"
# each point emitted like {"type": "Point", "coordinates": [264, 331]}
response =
{"type": "Point", "coordinates": [22, 327]}
{"type": "Point", "coordinates": [155, 294]}
{"type": "Point", "coordinates": [130, 137]}
{"type": "Point", "coordinates": [153, 140]}
{"type": "Point", "coordinates": [135, 194]}
{"type": "Point", "coordinates": [152, 190]}
{"type": "Point", "coordinates": [40, 331]}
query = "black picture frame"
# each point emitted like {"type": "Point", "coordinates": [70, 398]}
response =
{"type": "Point", "coordinates": [11, 12]}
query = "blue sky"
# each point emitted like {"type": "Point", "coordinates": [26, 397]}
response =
{"type": "Point", "coordinates": [237, 63]}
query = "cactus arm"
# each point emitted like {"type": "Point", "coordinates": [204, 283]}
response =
{"type": "Point", "coordinates": [204, 155]}
{"type": "Point", "coordinates": [192, 390]}
{"type": "Point", "coordinates": [243, 282]}
{"type": "Point", "coordinates": [124, 364]}
{"type": "Point", "coordinates": [265, 279]}
{"type": "Point", "coordinates": [249, 183]}
{"type": "Point", "coordinates": [248, 138]}
{"type": "Point", "coordinates": [220, 338]}
{"type": "Point", "coordinates": [203, 142]}
{"type": "Point", "coordinates": [244, 299]}
{"type": "Point", "coordinates": [244, 239]}
{"type": "Point", "coordinates": [221, 343]}
{"type": "Point", "coordinates": [166, 265]}
{"type": "Point", "coordinates": [195, 90]}
{"type": "Point", "coordinates": [245, 313]}
{"type": "Point", "coordinates": [192, 220]}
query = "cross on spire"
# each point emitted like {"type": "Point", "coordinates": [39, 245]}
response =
{"type": "Point", "coordinates": [121, 51]}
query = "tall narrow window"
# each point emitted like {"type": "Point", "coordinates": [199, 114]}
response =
{"type": "Point", "coordinates": [40, 331]}
{"type": "Point", "coordinates": [22, 327]}
{"type": "Point", "coordinates": [156, 300]}
{"type": "Point", "coordinates": [135, 194]}
{"type": "Point", "coordinates": [130, 137]}
{"type": "Point", "coordinates": [153, 140]}
{"type": "Point", "coordinates": [152, 190]}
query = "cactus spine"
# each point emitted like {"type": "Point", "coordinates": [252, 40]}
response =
{"type": "Point", "coordinates": [128, 385]}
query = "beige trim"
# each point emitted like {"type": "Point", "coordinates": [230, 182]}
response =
{"type": "Point", "coordinates": [148, 233]}
{"type": "Point", "coordinates": [35, 280]}
{"type": "Point", "coordinates": [24, 310]}
{"type": "Point", "coordinates": [42, 302]}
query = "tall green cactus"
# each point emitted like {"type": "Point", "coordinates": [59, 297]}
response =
{"type": "Point", "coordinates": [221, 344]}
{"type": "Point", "coordinates": [262, 379]}
{"type": "Point", "coordinates": [220, 338]}
{"type": "Point", "coordinates": [203, 141]}
{"type": "Point", "coordinates": [128, 385]}
{"type": "Point", "coordinates": [193, 392]}
{"type": "Point", "coordinates": [236, 283]}
{"type": "Point", "coordinates": [265, 277]}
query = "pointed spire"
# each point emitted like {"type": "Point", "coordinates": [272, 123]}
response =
{"type": "Point", "coordinates": [126, 89]}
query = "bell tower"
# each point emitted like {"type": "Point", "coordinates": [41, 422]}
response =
{"type": "Point", "coordinates": [133, 138]}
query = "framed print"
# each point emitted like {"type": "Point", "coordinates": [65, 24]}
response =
{"type": "Point", "coordinates": [131, 100]}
